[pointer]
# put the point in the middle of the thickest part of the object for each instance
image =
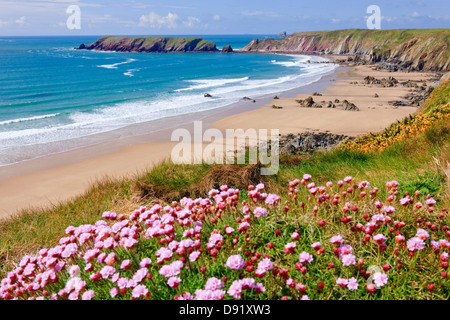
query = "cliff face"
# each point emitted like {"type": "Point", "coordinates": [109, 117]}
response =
{"type": "Point", "coordinates": [151, 44]}
{"type": "Point", "coordinates": [412, 49]}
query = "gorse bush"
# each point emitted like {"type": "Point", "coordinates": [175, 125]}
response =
{"type": "Point", "coordinates": [336, 241]}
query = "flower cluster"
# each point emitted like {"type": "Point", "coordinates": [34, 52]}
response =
{"type": "Point", "coordinates": [264, 246]}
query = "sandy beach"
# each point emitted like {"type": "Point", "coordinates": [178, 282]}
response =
{"type": "Point", "coordinates": [374, 115]}
{"type": "Point", "coordinates": [60, 177]}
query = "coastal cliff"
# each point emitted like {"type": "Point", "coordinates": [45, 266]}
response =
{"type": "Point", "coordinates": [407, 49]}
{"type": "Point", "coordinates": [151, 44]}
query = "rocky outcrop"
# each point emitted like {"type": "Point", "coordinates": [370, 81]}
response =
{"type": "Point", "coordinates": [227, 49]}
{"type": "Point", "coordinates": [151, 44]}
{"type": "Point", "coordinates": [307, 142]}
{"type": "Point", "coordinates": [310, 103]}
{"type": "Point", "coordinates": [402, 49]}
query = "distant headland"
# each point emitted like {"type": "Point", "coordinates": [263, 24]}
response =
{"type": "Point", "coordinates": [153, 44]}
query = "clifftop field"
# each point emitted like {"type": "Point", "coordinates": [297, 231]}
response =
{"type": "Point", "coordinates": [410, 49]}
{"type": "Point", "coordinates": [367, 220]}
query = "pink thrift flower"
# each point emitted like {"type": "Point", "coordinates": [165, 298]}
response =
{"type": "Point", "coordinates": [260, 212]}
{"type": "Point", "coordinates": [194, 256]}
{"type": "Point", "coordinates": [389, 209]}
{"type": "Point", "coordinates": [139, 291]}
{"type": "Point", "coordinates": [352, 284]}
{"type": "Point", "coordinates": [348, 259]}
{"type": "Point", "coordinates": [422, 234]}
{"type": "Point", "coordinates": [380, 279]}
{"type": "Point", "coordinates": [336, 239]}
{"type": "Point", "coordinates": [415, 244]}
{"type": "Point", "coordinates": [380, 238]}
{"type": "Point", "coordinates": [107, 271]}
{"type": "Point", "coordinates": [173, 282]}
{"type": "Point", "coordinates": [113, 292]}
{"type": "Point", "coordinates": [145, 262]}
{"type": "Point", "coordinates": [272, 199]}
{"type": "Point", "coordinates": [214, 284]}
{"type": "Point", "coordinates": [88, 295]}
{"type": "Point", "coordinates": [235, 262]}
{"type": "Point", "coordinates": [342, 282]}
{"type": "Point", "coordinates": [306, 257]}
{"type": "Point", "coordinates": [265, 264]}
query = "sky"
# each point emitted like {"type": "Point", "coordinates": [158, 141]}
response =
{"type": "Point", "coordinates": [203, 17]}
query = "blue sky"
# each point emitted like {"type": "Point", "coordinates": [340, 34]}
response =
{"type": "Point", "coordinates": [201, 17]}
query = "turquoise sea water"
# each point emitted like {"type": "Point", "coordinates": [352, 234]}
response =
{"type": "Point", "coordinates": [50, 92]}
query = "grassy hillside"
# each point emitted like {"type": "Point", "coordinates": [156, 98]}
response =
{"type": "Point", "coordinates": [152, 44]}
{"type": "Point", "coordinates": [415, 49]}
{"type": "Point", "coordinates": [418, 162]}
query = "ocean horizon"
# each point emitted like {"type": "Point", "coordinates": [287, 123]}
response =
{"type": "Point", "coordinates": [51, 93]}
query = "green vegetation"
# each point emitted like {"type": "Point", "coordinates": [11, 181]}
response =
{"type": "Point", "coordinates": [417, 162]}
{"type": "Point", "coordinates": [152, 44]}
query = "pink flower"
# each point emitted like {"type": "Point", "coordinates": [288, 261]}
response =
{"type": "Point", "coordinates": [265, 264]}
{"type": "Point", "coordinates": [316, 245]}
{"type": "Point", "coordinates": [389, 209]}
{"type": "Point", "coordinates": [352, 284]}
{"type": "Point", "coordinates": [139, 291]}
{"type": "Point", "coordinates": [145, 262]}
{"type": "Point", "coordinates": [259, 187]}
{"type": "Point", "coordinates": [290, 247]}
{"type": "Point", "coordinates": [201, 294]}
{"type": "Point", "coordinates": [172, 269]}
{"type": "Point", "coordinates": [380, 279]}
{"type": "Point", "coordinates": [306, 257]}
{"type": "Point", "coordinates": [229, 230]}
{"type": "Point", "coordinates": [107, 271]}
{"type": "Point", "coordinates": [214, 284]}
{"type": "Point", "coordinates": [379, 238]}
{"type": "Point", "coordinates": [260, 212]}
{"type": "Point", "coordinates": [74, 271]}
{"type": "Point", "coordinates": [140, 275]}
{"type": "Point", "coordinates": [306, 177]}
{"type": "Point", "coordinates": [173, 282]}
{"type": "Point", "coordinates": [235, 262]}
{"type": "Point", "coordinates": [336, 239]}
{"type": "Point", "coordinates": [348, 259]}
{"type": "Point", "coordinates": [344, 249]}
{"type": "Point", "coordinates": [272, 199]}
{"type": "Point", "coordinates": [88, 295]}
{"type": "Point", "coordinates": [113, 292]}
{"type": "Point", "coordinates": [342, 282]}
{"type": "Point", "coordinates": [194, 256]}
{"type": "Point", "coordinates": [69, 250]}
{"type": "Point", "coordinates": [430, 202]}
{"type": "Point", "coordinates": [348, 179]}
{"type": "Point", "coordinates": [163, 254]}
{"type": "Point", "coordinates": [415, 244]}
{"type": "Point", "coordinates": [422, 234]}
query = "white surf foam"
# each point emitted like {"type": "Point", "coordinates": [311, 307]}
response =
{"type": "Point", "coordinates": [114, 65]}
{"type": "Point", "coordinates": [28, 119]}
{"type": "Point", "coordinates": [209, 83]}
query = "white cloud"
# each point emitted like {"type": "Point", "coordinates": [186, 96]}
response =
{"type": "Point", "coordinates": [21, 21]}
{"type": "Point", "coordinates": [415, 14]}
{"type": "Point", "coordinates": [216, 17]}
{"type": "Point", "coordinates": [191, 22]}
{"type": "Point", "coordinates": [154, 20]}
{"type": "Point", "coordinates": [3, 23]}
{"type": "Point", "coordinates": [171, 21]}
{"type": "Point", "coordinates": [335, 20]}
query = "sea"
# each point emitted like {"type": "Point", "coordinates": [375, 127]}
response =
{"type": "Point", "coordinates": [52, 94]}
